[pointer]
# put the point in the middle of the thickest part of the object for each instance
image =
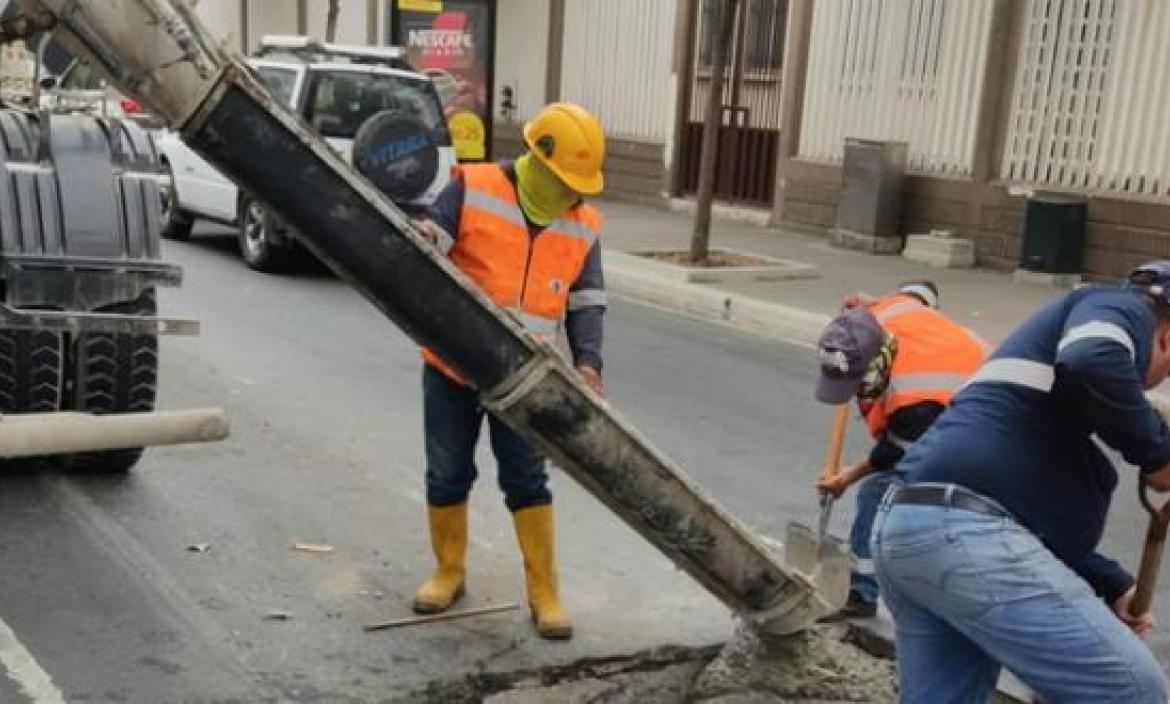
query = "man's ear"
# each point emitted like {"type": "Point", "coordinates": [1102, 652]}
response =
{"type": "Point", "coordinates": [1163, 337]}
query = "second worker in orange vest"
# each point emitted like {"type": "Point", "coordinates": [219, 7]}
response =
{"type": "Point", "coordinates": [521, 232]}
{"type": "Point", "coordinates": [903, 361]}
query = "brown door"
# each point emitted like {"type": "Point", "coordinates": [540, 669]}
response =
{"type": "Point", "coordinates": [750, 117]}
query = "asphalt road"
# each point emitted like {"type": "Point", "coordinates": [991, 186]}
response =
{"type": "Point", "coordinates": [102, 600]}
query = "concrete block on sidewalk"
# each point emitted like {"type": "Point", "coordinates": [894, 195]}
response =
{"type": "Point", "coordinates": [860, 241]}
{"type": "Point", "coordinates": [760, 217]}
{"type": "Point", "coordinates": [1039, 278]}
{"type": "Point", "coordinates": [767, 269]}
{"type": "Point", "coordinates": [941, 250]}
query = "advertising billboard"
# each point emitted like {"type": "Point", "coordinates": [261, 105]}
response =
{"type": "Point", "coordinates": [452, 41]}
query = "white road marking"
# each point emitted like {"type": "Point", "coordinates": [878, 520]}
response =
{"type": "Point", "coordinates": [25, 671]}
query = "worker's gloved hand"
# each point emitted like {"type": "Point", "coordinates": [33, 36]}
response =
{"type": "Point", "coordinates": [1141, 625]}
{"type": "Point", "coordinates": [592, 379]}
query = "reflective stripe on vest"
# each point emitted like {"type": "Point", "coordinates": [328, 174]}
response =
{"type": "Point", "coordinates": [513, 214]}
{"type": "Point", "coordinates": [574, 229]}
{"type": "Point", "coordinates": [885, 313]}
{"type": "Point", "coordinates": [536, 324]}
{"type": "Point", "coordinates": [527, 275]}
{"type": "Point", "coordinates": [911, 383]}
{"type": "Point", "coordinates": [495, 206]}
{"type": "Point", "coordinates": [935, 357]}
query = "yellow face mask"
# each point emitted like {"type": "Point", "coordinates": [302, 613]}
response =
{"type": "Point", "coordinates": [543, 197]}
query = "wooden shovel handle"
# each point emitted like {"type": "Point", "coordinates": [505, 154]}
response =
{"type": "Point", "coordinates": [836, 441]}
{"type": "Point", "coordinates": [1147, 578]}
{"type": "Point", "coordinates": [1148, 572]}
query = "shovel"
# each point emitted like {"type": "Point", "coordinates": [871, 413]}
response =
{"type": "Point", "coordinates": [1152, 552]}
{"type": "Point", "coordinates": [820, 558]}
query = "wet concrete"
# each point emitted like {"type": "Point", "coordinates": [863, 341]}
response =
{"type": "Point", "coordinates": [817, 664]}
{"type": "Point", "coordinates": [820, 665]}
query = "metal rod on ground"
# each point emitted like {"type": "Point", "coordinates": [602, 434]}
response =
{"type": "Point", "coordinates": [445, 616]}
{"type": "Point", "coordinates": [701, 236]}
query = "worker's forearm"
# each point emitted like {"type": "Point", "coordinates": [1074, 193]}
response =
{"type": "Point", "coordinates": [858, 472]}
{"type": "Point", "coordinates": [584, 329]}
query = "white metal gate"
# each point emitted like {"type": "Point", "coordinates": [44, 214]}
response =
{"type": "Point", "coordinates": [616, 62]}
{"type": "Point", "coordinates": [907, 70]}
{"type": "Point", "coordinates": [1091, 103]}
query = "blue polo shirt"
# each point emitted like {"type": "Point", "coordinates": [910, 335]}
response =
{"type": "Point", "coordinates": [1029, 428]}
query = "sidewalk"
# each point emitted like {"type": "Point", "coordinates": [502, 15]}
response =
{"type": "Point", "coordinates": [990, 303]}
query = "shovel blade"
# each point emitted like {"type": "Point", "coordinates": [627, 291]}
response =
{"type": "Point", "coordinates": [824, 563]}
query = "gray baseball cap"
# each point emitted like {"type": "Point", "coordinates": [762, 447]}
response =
{"type": "Point", "coordinates": [848, 344]}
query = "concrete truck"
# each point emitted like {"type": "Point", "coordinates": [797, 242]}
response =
{"type": "Point", "coordinates": [79, 269]}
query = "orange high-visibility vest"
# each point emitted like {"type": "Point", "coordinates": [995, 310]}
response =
{"type": "Point", "coordinates": [935, 357]}
{"type": "Point", "coordinates": [527, 275]}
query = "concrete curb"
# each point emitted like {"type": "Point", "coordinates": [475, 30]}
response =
{"type": "Point", "coordinates": [628, 275]}
{"type": "Point", "coordinates": [631, 276]}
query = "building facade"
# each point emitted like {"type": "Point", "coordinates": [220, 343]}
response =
{"type": "Point", "coordinates": [994, 98]}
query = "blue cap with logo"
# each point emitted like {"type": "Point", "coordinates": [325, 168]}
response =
{"type": "Point", "coordinates": [847, 346]}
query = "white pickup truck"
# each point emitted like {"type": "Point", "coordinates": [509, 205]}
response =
{"type": "Point", "coordinates": [336, 89]}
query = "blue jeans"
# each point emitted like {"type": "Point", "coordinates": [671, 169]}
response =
{"type": "Point", "coordinates": [970, 593]}
{"type": "Point", "coordinates": [452, 418]}
{"type": "Point", "coordinates": [869, 497]}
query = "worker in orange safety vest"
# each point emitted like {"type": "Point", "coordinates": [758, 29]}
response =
{"type": "Point", "coordinates": [903, 361]}
{"type": "Point", "coordinates": [523, 234]}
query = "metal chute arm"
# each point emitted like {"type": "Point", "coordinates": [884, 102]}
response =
{"type": "Point", "coordinates": [157, 51]}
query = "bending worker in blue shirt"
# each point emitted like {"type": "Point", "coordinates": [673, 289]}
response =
{"type": "Point", "coordinates": [986, 553]}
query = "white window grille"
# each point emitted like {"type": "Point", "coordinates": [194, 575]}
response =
{"type": "Point", "coordinates": [908, 70]}
{"type": "Point", "coordinates": [616, 62]}
{"type": "Point", "coordinates": [1091, 102]}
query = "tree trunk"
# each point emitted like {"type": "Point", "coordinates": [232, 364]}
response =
{"type": "Point", "coordinates": [331, 20]}
{"type": "Point", "coordinates": [701, 237]}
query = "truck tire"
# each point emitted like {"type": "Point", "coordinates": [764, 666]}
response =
{"type": "Point", "coordinates": [262, 248]}
{"type": "Point", "coordinates": [113, 373]}
{"type": "Point", "coordinates": [174, 222]}
{"type": "Point", "coordinates": [31, 364]}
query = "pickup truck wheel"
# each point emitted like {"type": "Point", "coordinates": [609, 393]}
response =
{"type": "Point", "coordinates": [174, 222]}
{"type": "Point", "coordinates": [113, 373]}
{"type": "Point", "coordinates": [260, 246]}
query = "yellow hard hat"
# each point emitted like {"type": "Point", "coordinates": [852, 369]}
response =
{"type": "Point", "coordinates": [569, 140]}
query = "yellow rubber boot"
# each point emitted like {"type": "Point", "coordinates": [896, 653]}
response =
{"type": "Point", "coordinates": [449, 542]}
{"type": "Point", "coordinates": [534, 532]}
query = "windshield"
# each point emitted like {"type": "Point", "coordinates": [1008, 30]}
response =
{"type": "Point", "coordinates": [279, 81]}
{"type": "Point", "coordinates": [81, 76]}
{"type": "Point", "coordinates": [340, 101]}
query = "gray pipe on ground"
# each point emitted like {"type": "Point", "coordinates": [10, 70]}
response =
{"type": "Point", "coordinates": [158, 52]}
